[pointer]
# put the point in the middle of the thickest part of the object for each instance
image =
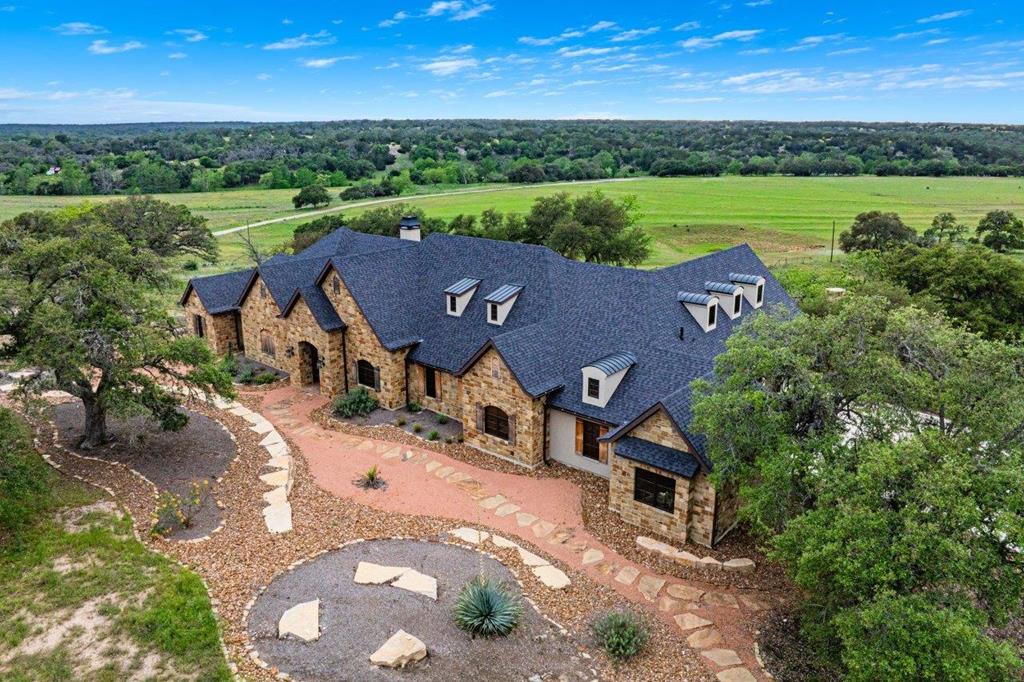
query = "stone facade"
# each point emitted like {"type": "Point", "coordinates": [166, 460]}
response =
{"type": "Point", "coordinates": [449, 390]}
{"type": "Point", "coordinates": [260, 321]}
{"type": "Point", "coordinates": [362, 344]}
{"type": "Point", "coordinates": [219, 330]}
{"type": "Point", "coordinates": [489, 382]}
{"type": "Point", "coordinates": [300, 332]}
{"type": "Point", "coordinates": [693, 517]}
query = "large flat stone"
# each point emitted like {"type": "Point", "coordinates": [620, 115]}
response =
{"type": "Point", "coordinates": [685, 592]}
{"type": "Point", "coordinates": [262, 426]}
{"type": "Point", "coordinates": [704, 639]}
{"type": "Point", "coordinates": [272, 438]}
{"type": "Point", "coordinates": [653, 545]}
{"type": "Point", "coordinates": [368, 573]}
{"type": "Point", "coordinates": [471, 535]}
{"type": "Point", "coordinates": [691, 621]}
{"type": "Point", "coordinates": [278, 517]}
{"type": "Point", "coordinates": [400, 650]}
{"type": "Point", "coordinates": [503, 542]}
{"type": "Point", "coordinates": [722, 657]}
{"type": "Point", "coordinates": [506, 510]}
{"type": "Point", "coordinates": [627, 575]}
{"type": "Point", "coordinates": [277, 449]}
{"type": "Point", "coordinates": [592, 556]}
{"type": "Point", "coordinates": [542, 528]}
{"type": "Point", "coordinates": [418, 583]}
{"type": "Point", "coordinates": [551, 577]}
{"type": "Point", "coordinates": [240, 411]}
{"type": "Point", "coordinates": [649, 586]}
{"type": "Point", "coordinates": [736, 675]}
{"type": "Point", "coordinates": [281, 462]}
{"type": "Point", "coordinates": [524, 519]}
{"type": "Point", "coordinates": [275, 496]}
{"type": "Point", "coordinates": [302, 621]}
{"type": "Point", "coordinates": [493, 502]}
{"type": "Point", "coordinates": [739, 565]}
{"type": "Point", "coordinates": [531, 559]}
{"type": "Point", "coordinates": [276, 478]}
{"type": "Point", "coordinates": [721, 599]}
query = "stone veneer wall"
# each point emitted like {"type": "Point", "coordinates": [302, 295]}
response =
{"type": "Point", "coordinates": [259, 312]}
{"type": "Point", "coordinates": [220, 329]}
{"type": "Point", "coordinates": [490, 382]}
{"type": "Point", "coordinates": [694, 514]}
{"type": "Point", "coordinates": [362, 344]}
{"type": "Point", "coordinates": [300, 326]}
{"type": "Point", "coordinates": [449, 389]}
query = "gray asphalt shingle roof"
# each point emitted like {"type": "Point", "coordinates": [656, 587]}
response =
{"type": "Point", "coordinates": [219, 293]}
{"type": "Point", "coordinates": [660, 456]}
{"type": "Point", "coordinates": [567, 314]}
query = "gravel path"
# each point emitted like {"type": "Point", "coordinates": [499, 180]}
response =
{"type": "Point", "coordinates": [200, 452]}
{"type": "Point", "coordinates": [355, 620]}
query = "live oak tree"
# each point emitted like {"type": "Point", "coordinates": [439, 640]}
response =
{"type": "Point", "coordinates": [82, 303]}
{"type": "Point", "coordinates": [879, 455]}
{"type": "Point", "coordinates": [875, 230]}
{"type": "Point", "coordinates": [945, 228]}
{"type": "Point", "coordinates": [311, 195]}
{"type": "Point", "coordinates": [1001, 231]}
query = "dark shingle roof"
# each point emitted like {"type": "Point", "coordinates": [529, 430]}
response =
{"type": "Point", "coordinates": [462, 286]}
{"type": "Point", "coordinates": [319, 305]}
{"type": "Point", "coordinates": [660, 456]}
{"type": "Point", "coordinates": [616, 362]}
{"type": "Point", "coordinates": [219, 293]}
{"type": "Point", "coordinates": [503, 293]}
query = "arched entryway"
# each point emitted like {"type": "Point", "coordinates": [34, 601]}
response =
{"type": "Point", "coordinates": [309, 364]}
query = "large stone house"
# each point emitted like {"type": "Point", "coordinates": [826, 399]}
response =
{"type": "Point", "coordinates": [540, 357]}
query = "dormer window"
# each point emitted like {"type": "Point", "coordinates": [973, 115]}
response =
{"type": "Point", "coordinates": [753, 287]}
{"type": "Point", "coordinates": [730, 296]}
{"type": "Point", "coordinates": [703, 308]}
{"type": "Point", "coordinates": [459, 294]}
{"type": "Point", "coordinates": [602, 377]}
{"type": "Point", "coordinates": [500, 302]}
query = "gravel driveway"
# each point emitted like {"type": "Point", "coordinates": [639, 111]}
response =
{"type": "Point", "coordinates": [355, 620]}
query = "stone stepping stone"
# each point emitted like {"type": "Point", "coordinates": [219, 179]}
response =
{"type": "Point", "coordinates": [400, 650]}
{"type": "Point", "coordinates": [710, 562]}
{"type": "Point", "coordinates": [704, 639]}
{"type": "Point", "coordinates": [551, 577]}
{"type": "Point", "coordinates": [240, 411]}
{"type": "Point", "coordinates": [721, 599]}
{"type": "Point", "coordinates": [277, 449]}
{"type": "Point", "coordinates": [391, 453]}
{"type": "Point", "coordinates": [503, 542]}
{"type": "Point", "coordinates": [542, 528]}
{"type": "Point", "coordinates": [276, 478]}
{"type": "Point", "coordinates": [471, 535]}
{"type": "Point", "coordinates": [685, 592]}
{"type": "Point", "coordinates": [444, 472]}
{"type": "Point", "coordinates": [531, 559]}
{"type": "Point", "coordinates": [493, 502]}
{"type": "Point", "coordinates": [736, 675]}
{"type": "Point", "coordinates": [368, 573]}
{"type": "Point", "coordinates": [278, 517]}
{"type": "Point", "coordinates": [592, 556]}
{"type": "Point", "coordinates": [272, 438]}
{"type": "Point", "coordinates": [282, 462]}
{"type": "Point", "coordinates": [367, 445]}
{"type": "Point", "coordinates": [751, 603]}
{"type": "Point", "coordinates": [524, 519]}
{"type": "Point", "coordinates": [506, 510]}
{"type": "Point", "coordinates": [739, 565]}
{"type": "Point", "coordinates": [649, 586]}
{"type": "Point", "coordinates": [262, 427]}
{"type": "Point", "coordinates": [691, 621]}
{"type": "Point", "coordinates": [668, 604]}
{"type": "Point", "coordinates": [459, 477]}
{"type": "Point", "coordinates": [559, 538]}
{"type": "Point", "coordinates": [432, 465]}
{"type": "Point", "coordinates": [627, 575]}
{"type": "Point", "coordinates": [417, 583]}
{"type": "Point", "coordinates": [302, 621]}
{"type": "Point", "coordinates": [722, 657]}
{"type": "Point", "coordinates": [275, 496]}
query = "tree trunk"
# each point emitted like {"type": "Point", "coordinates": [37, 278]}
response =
{"type": "Point", "coordinates": [95, 424]}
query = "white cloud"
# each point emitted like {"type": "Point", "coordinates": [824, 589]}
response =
{"type": "Point", "coordinates": [13, 93]}
{"type": "Point", "coordinates": [304, 40]}
{"type": "Point", "coordinates": [321, 63]}
{"type": "Point", "coordinates": [395, 18]}
{"type": "Point", "coordinates": [814, 41]}
{"type": "Point", "coordinates": [441, 7]}
{"type": "Point", "coordinates": [601, 26]}
{"type": "Point", "coordinates": [687, 26]}
{"type": "Point", "coordinates": [551, 40]}
{"type": "Point", "coordinates": [104, 47]}
{"type": "Point", "coordinates": [937, 41]}
{"type": "Point", "coordinates": [742, 36]}
{"type": "Point", "coordinates": [448, 67]}
{"type": "Point", "coordinates": [852, 50]}
{"type": "Point", "coordinates": [263, 76]}
{"type": "Point", "coordinates": [688, 100]}
{"type": "Point", "coordinates": [703, 43]}
{"type": "Point", "coordinates": [472, 12]}
{"type": "Point", "coordinates": [759, 51]}
{"type": "Point", "coordinates": [191, 35]}
{"type": "Point", "coordinates": [758, 3]}
{"type": "Point", "coordinates": [177, 55]}
{"type": "Point", "coordinates": [945, 16]}
{"type": "Point", "coordinates": [79, 28]}
{"type": "Point", "coordinates": [635, 34]}
{"type": "Point", "coordinates": [584, 51]}
{"type": "Point", "coordinates": [499, 93]}
{"type": "Point", "coordinates": [461, 49]}
{"type": "Point", "coordinates": [914, 34]}
{"type": "Point", "coordinates": [287, 21]}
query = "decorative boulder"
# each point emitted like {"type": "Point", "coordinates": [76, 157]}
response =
{"type": "Point", "coordinates": [400, 650]}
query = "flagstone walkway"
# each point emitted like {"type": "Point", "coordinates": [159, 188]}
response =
{"type": "Point", "coordinates": [544, 512]}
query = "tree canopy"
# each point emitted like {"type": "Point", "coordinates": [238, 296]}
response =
{"type": "Point", "coordinates": [1001, 231]}
{"type": "Point", "coordinates": [312, 195]}
{"type": "Point", "coordinates": [875, 230]}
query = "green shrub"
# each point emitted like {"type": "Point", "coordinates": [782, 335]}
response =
{"type": "Point", "coordinates": [486, 608]}
{"type": "Point", "coordinates": [371, 479]}
{"type": "Point", "coordinates": [24, 476]}
{"type": "Point", "coordinates": [357, 402]}
{"type": "Point", "coordinates": [416, 428]}
{"type": "Point", "coordinates": [415, 407]}
{"type": "Point", "coordinates": [229, 364]}
{"type": "Point", "coordinates": [621, 634]}
{"type": "Point", "coordinates": [400, 422]}
{"type": "Point", "coordinates": [264, 378]}
{"type": "Point", "coordinates": [433, 435]}
{"type": "Point", "coordinates": [190, 266]}
{"type": "Point", "coordinates": [442, 419]}
{"type": "Point", "coordinates": [178, 511]}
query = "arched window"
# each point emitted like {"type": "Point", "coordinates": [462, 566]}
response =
{"type": "Point", "coordinates": [367, 375]}
{"type": "Point", "coordinates": [495, 422]}
{"type": "Point", "coordinates": [267, 344]}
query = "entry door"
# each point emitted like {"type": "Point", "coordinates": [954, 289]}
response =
{"type": "Point", "coordinates": [314, 363]}
{"type": "Point", "coordinates": [197, 323]}
{"type": "Point", "coordinates": [591, 448]}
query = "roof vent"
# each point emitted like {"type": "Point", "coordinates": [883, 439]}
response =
{"type": "Point", "coordinates": [457, 296]}
{"type": "Point", "coordinates": [702, 307]}
{"type": "Point", "coordinates": [730, 297]}
{"type": "Point", "coordinates": [409, 228]}
{"type": "Point", "coordinates": [500, 302]}
{"type": "Point", "coordinates": [753, 287]}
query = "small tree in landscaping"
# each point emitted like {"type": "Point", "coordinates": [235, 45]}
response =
{"type": "Point", "coordinates": [1001, 231]}
{"type": "Point", "coordinates": [357, 402]}
{"type": "Point", "coordinates": [875, 230]}
{"type": "Point", "coordinates": [312, 195]}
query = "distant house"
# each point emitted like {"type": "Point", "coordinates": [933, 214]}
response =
{"type": "Point", "coordinates": [541, 358]}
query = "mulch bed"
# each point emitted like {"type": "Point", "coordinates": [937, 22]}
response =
{"type": "Point", "coordinates": [426, 419]}
{"type": "Point", "coordinates": [786, 653]}
{"type": "Point", "coordinates": [355, 620]}
{"type": "Point", "coordinates": [238, 561]}
{"type": "Point", "coordinates": [173, 461]}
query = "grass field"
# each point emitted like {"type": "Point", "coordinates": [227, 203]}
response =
{"type": "Point", "coordinates": [783, 218]}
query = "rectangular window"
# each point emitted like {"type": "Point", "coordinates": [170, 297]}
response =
{"type": "Point", "coordinates": [655, 490]}
{"type": "Point", "coordinates": [197, 322]}
{"type": "Point", "coordinates": [336, 285]}
{"type": "Point", "coordinates": [452, 304]}
{"type": "Point", "coordinates": [712, 309]}
{"type": "Point", "coordinates": [736, 305]}
{"type": "Point", "coordinates": [593, 388]}
{"type": "Point", "coordinates": [760, 293]}
{"type": "Point", "coordinates": [430, 382]}
{"type": "Point", "coordinates": [494, 312]}
{"type": "Point", "coordinates": [588, 443]}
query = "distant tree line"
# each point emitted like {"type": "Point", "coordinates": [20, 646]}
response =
{"type": "Point", "coordinates": [150, 158]}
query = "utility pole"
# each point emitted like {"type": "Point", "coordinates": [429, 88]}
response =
{"type": "Point", "coordinates": [832, 253]}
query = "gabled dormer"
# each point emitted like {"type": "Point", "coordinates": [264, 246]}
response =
{"type": "Point", "coordinates": [458, 295]}
{"type": "Point", "coordinates": [500, 302]}
{"type": "Point", "coordinates": [753, 287]}
{"type": "Point", "coordinates": [702, 307]}
{"type": "Point", "coordinates": [603, 376]}
{"type": "Point", "coordinates": [730, 297]}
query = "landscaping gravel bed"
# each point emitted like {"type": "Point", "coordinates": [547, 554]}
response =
{"type": "Point", "coordinates": [201, 452]}
{"type": "Point", "coordinates": [425, 419]}
{"type": "Point", "coordinates": [355, 620]}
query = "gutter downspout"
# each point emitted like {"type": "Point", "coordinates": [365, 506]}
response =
{"type": "Point", "coordinates": [544, 451]}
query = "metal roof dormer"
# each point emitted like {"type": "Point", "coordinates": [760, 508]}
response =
{"type": "Point", "coordinates": [702, 307]}
{"type": "Point", "coordinates": [730, 297]}
{"type": "Point", "coordinates": [458, 295]}
{"type": "Point", "coordinates": [753, 287]}
{"type": "Point", "coordinates": [500, 302]}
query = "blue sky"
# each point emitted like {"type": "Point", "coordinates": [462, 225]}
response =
{"type": "Point", "coordinates": [94, 62]}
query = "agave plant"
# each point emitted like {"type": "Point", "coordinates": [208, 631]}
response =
{"type": "Point", "coordinates": [486, 608]}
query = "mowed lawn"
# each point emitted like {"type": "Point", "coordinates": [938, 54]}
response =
{"type": "Point", "coordinates": [783, 218]}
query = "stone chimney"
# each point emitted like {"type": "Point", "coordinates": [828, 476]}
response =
{"type": "Point", "coordinates": [409, 228]}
